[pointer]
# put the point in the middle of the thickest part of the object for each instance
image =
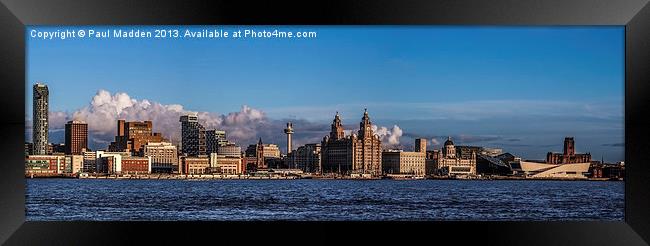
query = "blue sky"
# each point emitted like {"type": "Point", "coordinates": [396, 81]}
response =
{"type": "Point", "coordinates": [533, 84]}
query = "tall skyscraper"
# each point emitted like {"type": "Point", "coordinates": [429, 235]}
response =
{"type": "Point", "coordinates": [193, 140]}
{"type": "Point", "coordinates": [40, 118]}
{"type": "Point", "coordinates": [76, 137]}
{"type": "Point", "coordinates": [213, 140]}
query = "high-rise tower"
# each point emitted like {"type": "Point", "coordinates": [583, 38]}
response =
{"type": "Point", "coordinates": [40, 119]}
{"type": "Point", "coordinates": [192, 135]}
{"type": "Point", "coordinates": [289, 131]}
{"type": "Point", "coordinates": [76, 137]}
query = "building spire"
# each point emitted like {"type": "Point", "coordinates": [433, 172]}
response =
{"type": "Point", "coordinates": [337, 127]}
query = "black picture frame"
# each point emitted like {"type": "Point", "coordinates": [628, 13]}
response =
{"type": "Point", "coordinates": [634, 15]}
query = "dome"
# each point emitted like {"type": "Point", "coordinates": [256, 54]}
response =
{"type": "Point", "coordinates": [449, 142]}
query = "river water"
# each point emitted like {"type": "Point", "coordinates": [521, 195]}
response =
{"type": "Point", "coordinates": [85, 199]}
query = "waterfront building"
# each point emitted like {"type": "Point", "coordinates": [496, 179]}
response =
{"type": "Point", "coordinates": [493, 165]}
{"type": "Point", "coordinates": [76, 137]}
{"type": "Point", "coordinates": [266, 150]}
{"type": "Point", "coordinates": [420, 145]}
{"type": "Point", "coordinates": [263, 153]}
{"type": "Point", "coordinates": [132, 136]}
{"type": "Point", "coordinates": [355, 154]}
{"type": "Point", "coordinates": [451, 163]}
{"type": "Point", "coordinates": [403, 162]}
{"type": "Point", "coordinates": [616, 171]}
{"type": "Point", "coordinates": [53, 164]}
{"type": "Point", "coordinates": [89, 164]}
{"type": "Point", "coordinates": [306, 158]}
{"type": "Point", "coordinates": [102, 161]}
{"type": "Point", "coordinates": [431, 160]}
{"type": "Point", "coordinates": [230, 150]}
{"type": "Point", "coordinates": [250, 163]}
{"type": "Point", "coordinates": [213, 140]}
{"type": "Point", "coordinates": [226, 164]}
{"type": "Point", "coordinates": [569, 155]}
{"type": "Point", "coordinates": [275, 163]}
{"type": "Point", "coordinates": [40, 111]}
{"type": "Point", "coordinates": [557, 165]}
{"type": "Point", "coordinates": [136, 165]}
{"type": "Point", "coordinates": [195, 164]}
{"type": "Point", "coordinates": [119, 163]}
{"type": "Point", "coordinates": [193, 137]}
{"type": "Point", "coordinates": [546, 170]}
{"type": "Point", "coordinates": [76, 163]}
{"type": "Point", "coordinates": [164, 157]}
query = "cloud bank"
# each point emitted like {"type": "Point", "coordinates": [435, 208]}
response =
{"type": "Point", "coordinates": [242, 127]}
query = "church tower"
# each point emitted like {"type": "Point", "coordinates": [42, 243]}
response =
{"type": "Point", "coordinates": [260, 154]}
{"type": "Point", "coordinates": [569, 146]}
{"type": "Point", "coordinates": [365, 126]}
{"type": "Point", "coordinates": [337, 128]}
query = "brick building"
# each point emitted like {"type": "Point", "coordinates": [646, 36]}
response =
{"type": "Point", "coordinates": [132, 136]}
{"type": "Point", "coordinates": [569, 155]}
{"type": "Point", "coordinates": [76, 137]}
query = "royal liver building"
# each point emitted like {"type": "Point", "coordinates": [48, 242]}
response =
{"type": "Point", "coordinates": [354, 154]}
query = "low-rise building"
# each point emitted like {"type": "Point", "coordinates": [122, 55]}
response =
{"type": "Point", "coordinates": [164, 157]}
{"type": "Point", "coordinates": [403, 162]}
{"type": "Point", "coordinates": [226, 164]}
{"type": "Point", "coordinates": [109, 162]}
{"type": "Point", "coordinates": [89, 164]}
{"type": "Point", "coordinates": [450, 163]}
{"type": "Point", "coordinates": [136, 164]}
{"type": "Point", "coordinates": [229, 149]}
{"type": "Point", "coordinates": [53, 164]}
{"type": "Point", "coordinates": [431, 160]}
{"type": "Point", "coordinates": [195, 164]}
{"type": "Point", "coordinates": [306, 158]}
{"type": "Point", "coordinates": [76, 163]}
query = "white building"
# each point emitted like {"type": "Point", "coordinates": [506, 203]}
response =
{"type": "Point", "coordinates": [546, 170]}
{"type": "Point", "coordinates": [451, 164]}
{"type": "Point", "coordinates": [164, 156]}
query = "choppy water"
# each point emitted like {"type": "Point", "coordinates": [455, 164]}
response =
{"type": "Point", "coordinates": [72, 199]}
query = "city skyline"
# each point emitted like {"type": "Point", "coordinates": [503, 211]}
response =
{"type": "Point", "coordinates": [525, 104]}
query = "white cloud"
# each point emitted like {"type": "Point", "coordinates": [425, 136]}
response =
{"type": "Point", "coordinates": [435, 142]}
{"type": "Point", "coordinates": [389, 137]}
{"type": "Point", "coordinates": [242, 127]}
